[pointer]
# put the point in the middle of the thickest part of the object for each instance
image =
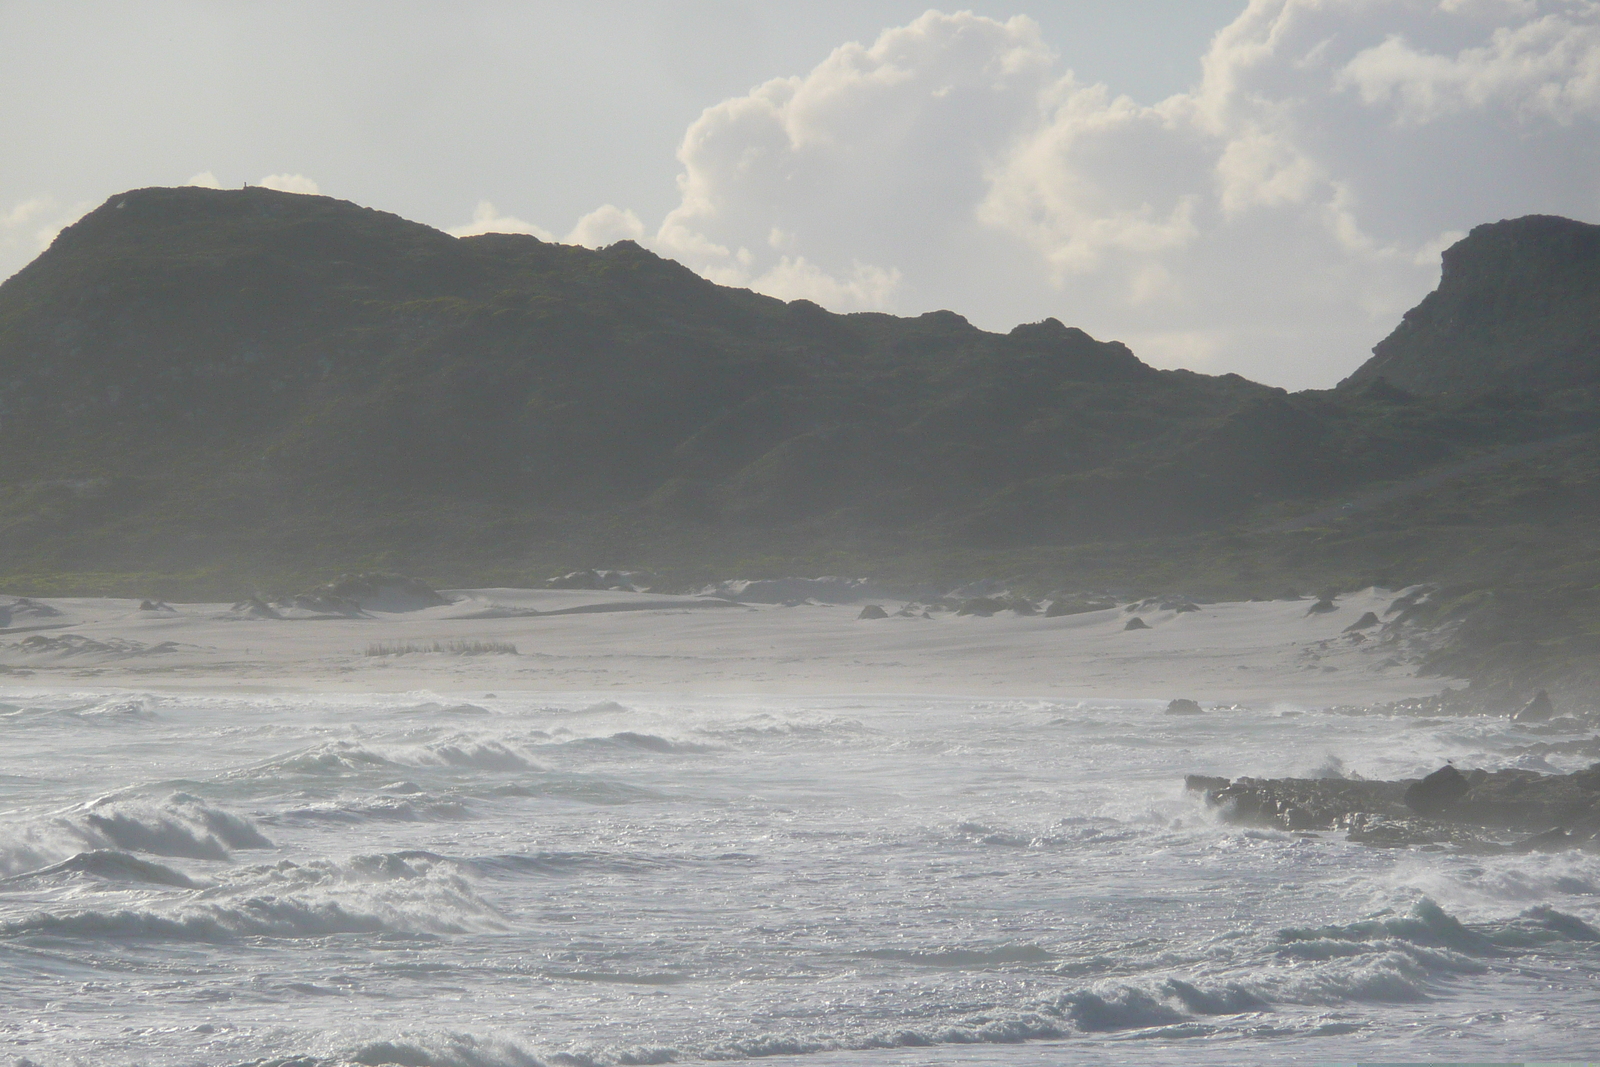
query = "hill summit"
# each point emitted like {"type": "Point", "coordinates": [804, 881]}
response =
{"type": "Point", "coordinates": [1518, 305]}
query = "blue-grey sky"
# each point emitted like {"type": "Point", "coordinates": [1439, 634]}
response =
{"type": "Point", "coordinates": [1260, 188]}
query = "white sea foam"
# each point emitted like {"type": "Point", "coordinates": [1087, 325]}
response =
{"type": "Point", "coordinates": [394, 880]}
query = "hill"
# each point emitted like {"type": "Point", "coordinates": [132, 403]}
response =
{"type": "Point", "coordinates": [1518, 306]}
{"type": "Point", "coordinates": [204, 391]}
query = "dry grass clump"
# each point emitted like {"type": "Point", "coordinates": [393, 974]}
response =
{"type": "Point", "coordinates": [458, 647]}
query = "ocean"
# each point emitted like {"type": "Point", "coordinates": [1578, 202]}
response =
{"type": "Point", "coordinates": [499, 880]}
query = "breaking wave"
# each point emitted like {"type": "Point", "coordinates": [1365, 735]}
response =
{"type": "Point", "coordinates": [350, 757]}
{"type": "Point", "coordinates": [181, 826]}
{"type": "Point", "coordinates": [113, 866]}
{"type": "Point", "coordinates": [406, 894]}
{"type": "Point", "coordinates": [628, 739]}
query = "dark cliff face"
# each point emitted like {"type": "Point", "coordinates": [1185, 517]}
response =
{"type": "Point", "coordinates": [1518, 306]}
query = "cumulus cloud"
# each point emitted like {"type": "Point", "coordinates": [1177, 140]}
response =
{"type": "Point", "coordinates": [606, 225]}
{"type": "Point", "coordinates": [1548, 66]}
{"type": "Point", "coordinates": [486, 218]}
{"type": "Point", "coordinates": [289, 183]}
{"type": "Point", "coordinates": [29, 226]}
{"type": "Point", "coordinates": [206, 180]}
{"type": "Point", "coordinates": [1274, 220]}
{"type": "Point", "coordinates": [873, 157]}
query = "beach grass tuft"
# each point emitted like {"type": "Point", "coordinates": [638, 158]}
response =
{"type": "Point", "coordinates": [455, 647]}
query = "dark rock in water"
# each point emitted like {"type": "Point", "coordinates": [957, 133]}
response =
{"type": "Point", "coordinates": [1447, 807]}
{"type": "Point", "coordinates": [1325, 803]}
{"type": "Point", "coordinates": [1022, 605]}
{"type": "Point", "coordinates": [1435, 794]}
{"type": "Point", "coordinates": [1136, 623]}
{"type": "Point", "coordinates": [1536, 710]}
{"type": "Point", "coordinates": [982, 606]}
{"type": "Point", "coordinates": [873, 611]}
{"type": "Point", "coordinates": [1322, 607]}
{"type": "Point", "coordinates": [1184, 706]}
{"type": "Point", "coordinates": [145, 605]}
{"type": "Point", "coordinates": [1367, 621]}
{"type": "Point", "coordinates": [1554, 839]}
{"type": "Point", "coordinates": [1186, 607]}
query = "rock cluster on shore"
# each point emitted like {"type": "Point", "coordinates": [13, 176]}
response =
{"type": "Point", "coordinates": [1476, 809]}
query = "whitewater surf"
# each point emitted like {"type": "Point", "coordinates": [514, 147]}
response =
{"type": "Point", "coordinates": [483, 880]}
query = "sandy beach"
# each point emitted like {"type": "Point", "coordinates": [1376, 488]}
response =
{"type": "Point", "coordinates": [602, 641]}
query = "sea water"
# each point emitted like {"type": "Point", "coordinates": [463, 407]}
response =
{"type": "Point", "coordinates": [496, 880]}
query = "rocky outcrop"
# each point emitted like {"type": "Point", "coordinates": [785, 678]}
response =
{"type": "Point", "coordinates": [255, 608]}
{"type": "Point", "coordinates": [1436, 793]}
{"type": "Point", "coordinates": [1136, 623]}
{"type": "Point", "coordinates": [1518, 304]}
{"type": "Point", "coordinates": [25, 610]}
{"type": "Point", "coordinates": [1074, 605]}
{"type": "Point", "coordinates": [1477, 808]}
{"type": "Point", "coordinates": [1184, 706]}
{"type": "Point", "coordinates": [982, 606]}
{"type": "Point", "coordinates": [597, 578]}
{"type": "Point", "coordinates": [1366, 622]}
{"type": "Point", "coordinates": [370, 591]}
{"type": "Point", "coordinates": [873, 611]}
{"type": "Point", "coordinates": [1536, 710]}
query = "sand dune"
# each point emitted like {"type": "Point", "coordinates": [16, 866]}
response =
{"type": "Point", "coordinates": [580, 640]}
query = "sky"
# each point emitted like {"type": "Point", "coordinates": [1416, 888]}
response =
{"type": "Point", "coordinates": [1260, 188]}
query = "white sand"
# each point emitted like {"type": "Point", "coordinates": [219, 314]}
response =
{"type": "Point", "coordinates": [638, 642]}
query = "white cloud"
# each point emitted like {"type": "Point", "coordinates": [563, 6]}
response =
{"type": "Point", "coordinates": [31, 225]}
{"type": "Point", "coordinates": [865, 286]}
{"type": "Point", "coordinates": [487, 219]}
{"type": "Point", "coordinates": [872, 156]}
{"type": "Point", "coordinates": [22, 214]}
{"type": "Point", "coordinates": [606, 225]}
{"type": "Point", "coordinates": [207, 180]}
{"type": "Point", "coordinates": [289, 183]}
{"type": "Point", "coordinates": [1549, 65]}
{"type": "Point", "coordinates": [1276, 220]}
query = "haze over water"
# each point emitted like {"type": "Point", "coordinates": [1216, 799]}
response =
{"type": "Point", "coordinates": [416, 879]}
